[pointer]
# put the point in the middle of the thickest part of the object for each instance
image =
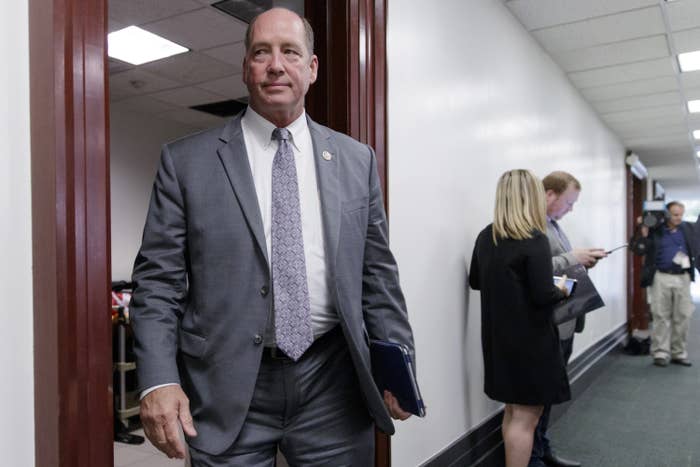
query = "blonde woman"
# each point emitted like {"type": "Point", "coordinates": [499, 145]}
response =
{"type": "Point", "coordinates": [512, 267]}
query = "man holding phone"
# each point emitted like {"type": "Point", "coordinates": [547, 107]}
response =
{"type": "Point", "coordinates": [562, 191]}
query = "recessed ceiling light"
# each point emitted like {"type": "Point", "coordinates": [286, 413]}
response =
{"type": "Point", "coordinates": [694, 106]}
{"type": "Point", "coordinates": [689, 61]}
{"type": "Point", "coordinates": [696, 134]}
{"type": "Point", "coordinates": [137, 46]}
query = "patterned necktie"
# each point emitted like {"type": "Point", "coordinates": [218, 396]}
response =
{"type": "Point", "coordinates": [562, 238]}
{"type": "Point", "coordinates": [293, 331]}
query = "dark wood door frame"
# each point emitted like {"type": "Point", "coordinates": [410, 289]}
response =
{"type": "Point", "coordinates": [70, 200]}
{"type": "Point", "coordinates": [637, 316]}
{"type": "Point", "coordinates": [70, 229]}
{"type": "Point", "coordinates": [350, 92]}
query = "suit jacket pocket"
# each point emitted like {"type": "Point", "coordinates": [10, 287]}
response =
{"type": "Point", "coordinates": [192, 344]}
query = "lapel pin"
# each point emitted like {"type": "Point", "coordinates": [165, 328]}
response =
{"type": "Point", "coordinates": [327, 155]}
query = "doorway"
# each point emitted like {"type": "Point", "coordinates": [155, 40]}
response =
{"type": "Point", "coordinates": [71, 194]}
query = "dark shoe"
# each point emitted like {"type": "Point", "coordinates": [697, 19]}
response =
{"type": "Point", "coordinates": [660, 362]}
{"type": "Point", "coordinates": [552, 460]}
{"type": "Point", "coordinates": [681, 361]}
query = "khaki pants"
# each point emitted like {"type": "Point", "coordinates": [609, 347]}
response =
{"type": "Point", "coordinates": [671, 307]}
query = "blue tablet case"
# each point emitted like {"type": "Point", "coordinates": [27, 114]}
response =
{"type": "Point", "coordinates": [392, 370]}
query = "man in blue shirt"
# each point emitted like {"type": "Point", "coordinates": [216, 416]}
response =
{"type": "Point", "coordinates": [669, 266]}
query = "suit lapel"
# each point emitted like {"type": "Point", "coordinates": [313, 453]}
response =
{"type": "Point", "coordinates": [327, 176]}
{"type": "Point", "coordinates": [234, 157]}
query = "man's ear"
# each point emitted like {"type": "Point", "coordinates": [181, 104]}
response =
{"type": "Point", "coordinates": [314, 68]}
{"type": "Point", "coordinates": [550, 197]}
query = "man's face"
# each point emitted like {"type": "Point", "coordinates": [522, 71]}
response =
{"type": "Point", "coordinates": [676, 218]}
{"type": "Point", "coordinates": [559, 205]}
{"type": "Point", "coordinates": [278, 68]}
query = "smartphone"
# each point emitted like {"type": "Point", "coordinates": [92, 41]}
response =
{"type": "Point", "coordinates": [616, 248]}
{"type": "Point", "coordinates": [570, 283]}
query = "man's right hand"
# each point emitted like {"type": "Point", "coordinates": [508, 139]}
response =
{"type": "Point", "coordinates": [163, 411]}
{"type": "Point", "coordinates": [589, 256]}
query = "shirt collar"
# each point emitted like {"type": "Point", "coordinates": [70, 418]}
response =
{"type": "Point", "coordinates": [261, 129]}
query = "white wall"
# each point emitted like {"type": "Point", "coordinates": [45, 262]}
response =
{"type": "Point", "coordinates": [471, 95]}
{"type": "Point", "coordinates": [135, 142]}
{"type": "Point", "coordinates": [16, 315]}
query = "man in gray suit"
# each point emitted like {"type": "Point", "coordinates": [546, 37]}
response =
{"type": "Point", "coordinates": [562, 190]}
{"type": "Point", "coordinates": [263, 273]}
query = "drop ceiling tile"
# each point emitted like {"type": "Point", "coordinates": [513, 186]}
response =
{"type": "Point", "coordinates": [187, 96]}
{"type": "Point", "coordinates": [135, 82]}
{"type": "Point", "coordinates": [654, 112]}
{"type": "Point", "coordinates": [193, 117]}
{"type": "Point", "coordinates": [623, 73]}
{"type": "Point", "coordinates": [189, 68]}
{"type": "Point", "coordinates": [230, 86]}
{"type": "Point", "coordinates": [633, 88]}
{"type": "Point", "coordinates": [536, 14]}
{"type": "Point", "coordinates": [683, 14]}
{"type": "Point", "coordinates": [690, 80]}
{"type": "Point", "coordinates": [667, 147]}
{"type": "Point", "coordinates": [659, 128]}
{"type": "Point", "coordinates": [130, 12]}
{"type": "Point", "coordinates": [116, 66]}
{"type": "Point", "coordinates": [113, 25]}
{"type": "Point", "coordinates": [674, 171]}
{"type": "Point", "coordinates": [669, 140]}
{"type": "Point", "coordinates": [647, 124]}
{"type": "Point", "coordinates": [142, 104]}
{"type": "Point", "coordinates": [638, 102]}
{"type": "Point", "coordinates": [232, 54]}
{"type": "Point", "coordinates": [603, 30]}
{"type": "Point", "coordinates": [687, 41]}
{"type": "Point", "coordinates": [200, 29]}
{"type": "Point", "coordinates": [692, 93]}
{"type": "Point", "coordinates": [635, 50]}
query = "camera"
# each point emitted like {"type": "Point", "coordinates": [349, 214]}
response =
{"type": "Point", "coordinates": [654, 214]}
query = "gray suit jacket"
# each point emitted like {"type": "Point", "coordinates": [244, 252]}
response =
{"type": "Point", "coordinates": [561, 260]}
{"type": "Point", "coordinates": [201, 302]}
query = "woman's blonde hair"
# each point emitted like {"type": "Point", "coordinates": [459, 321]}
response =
{"type": "Point", "coordinates": [520, 206]}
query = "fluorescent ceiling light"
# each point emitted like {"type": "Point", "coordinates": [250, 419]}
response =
{"type": "Point", "coordinates": [694, 106]}
{"type": "Point", "coordinates": [698, 153]}
{"type": "Point", "coordinates": [696, 134]}
{"type": "Point", "coordinates": [136, 46]}
{"type": "Point", "coordinates": [689, 61]}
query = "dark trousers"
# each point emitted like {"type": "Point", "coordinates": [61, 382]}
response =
{"type": "Point", "coordinates": [540, 444]}
{"type": "Point", "coordinates": [312, 410]}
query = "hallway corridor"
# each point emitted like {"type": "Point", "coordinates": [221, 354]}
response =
{"type": "Point", "coordinates": [635, 414]}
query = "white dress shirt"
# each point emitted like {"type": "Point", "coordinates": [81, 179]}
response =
{"type": "Point", "coordinates": [261, 149]}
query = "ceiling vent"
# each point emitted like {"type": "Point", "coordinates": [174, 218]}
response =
{"type": "Point", "coordinates": [226, 108]}
{"type": "Point", "coordinates": [244, 10]}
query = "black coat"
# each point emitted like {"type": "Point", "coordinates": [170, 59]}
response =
{"type": "Point", "coordinates": [649, 246]}
{"type": "Point", "coordinates": [522, 359]}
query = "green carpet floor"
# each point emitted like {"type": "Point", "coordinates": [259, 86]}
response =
{"type": "Point", "coordinates": [635, 414]}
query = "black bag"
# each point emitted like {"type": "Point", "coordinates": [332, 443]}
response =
{"type": "Point", "coordinates": [584, 299]}
{"type": "Point", "coordinates": [638, 346]}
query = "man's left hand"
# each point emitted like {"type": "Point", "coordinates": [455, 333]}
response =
{"type": "Point", "coordinates": [395, 410]}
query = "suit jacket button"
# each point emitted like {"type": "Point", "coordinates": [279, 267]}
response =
{"type": "Point", "coordinates": [264, 290]}
{"type": "Point", "coordinates": [258, 339]}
